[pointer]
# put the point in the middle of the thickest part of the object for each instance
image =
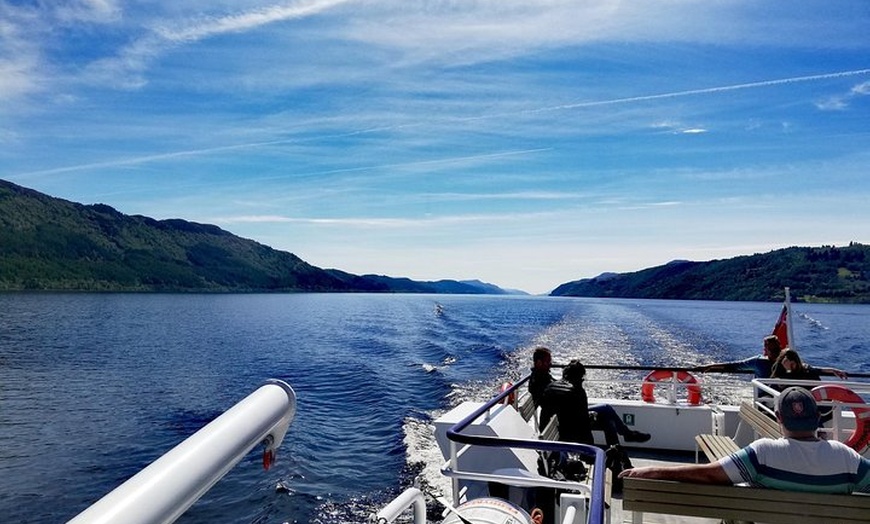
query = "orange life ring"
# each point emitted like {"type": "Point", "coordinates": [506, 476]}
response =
{"type": "Point", "coordinates": [860, 438]}
{"type": "Point", "coordinates": [660, 375]}
{"type": "Point", "coordinates": [511, 398]}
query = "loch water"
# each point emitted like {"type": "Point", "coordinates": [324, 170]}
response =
{"type": "Point", "coordinates": [93, 387]}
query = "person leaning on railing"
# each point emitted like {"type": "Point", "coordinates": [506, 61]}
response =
{"type": "Point", "coordinates": [799, 461]}
{"type": "Point", "coordinates": [760, 365]}
{"type": "Point", "coordinates": [790, 365]}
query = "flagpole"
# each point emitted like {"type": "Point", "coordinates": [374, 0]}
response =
{"type": "Point", "coordinates": [788, 327]}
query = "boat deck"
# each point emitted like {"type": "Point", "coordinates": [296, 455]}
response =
{"type": "Point", "coordinates": [638, 459]}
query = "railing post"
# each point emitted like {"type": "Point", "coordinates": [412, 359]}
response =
{"type": "Point", "coordinates": [672, 391]}
{"type": "Point", "coordinates": [411, 497]}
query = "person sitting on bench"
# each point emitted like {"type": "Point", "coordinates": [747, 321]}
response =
{"type": "Point", "coordinates": [601, 416]}
{"type": "Point", "coordinates": [799, 461]}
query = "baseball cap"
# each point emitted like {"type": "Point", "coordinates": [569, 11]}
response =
{"type": "Point", "coordinates": [798, 410]}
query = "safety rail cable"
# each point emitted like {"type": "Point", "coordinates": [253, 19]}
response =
{"type": "Point", "coordinates": [455, 435]}
{"type": "Point", "coordinates": [693, 369]}
{"type": "Point", "coordinates": [166, 488]}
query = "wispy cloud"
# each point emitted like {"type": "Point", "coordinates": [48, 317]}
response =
{"type": "Point", "coordinates": [213, 26]}
{"type": "Point", "coordinates": [381, 223]}
{"type": "Point", "coordinates": [842, 101]}
{"type": "Point", "coordinates": [126, 69]}
{"type": "Point", "coordinates": [565, 125]}
{"type": "Point", "coordinates": [861, 89]}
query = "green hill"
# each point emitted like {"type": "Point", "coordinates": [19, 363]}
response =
{"type": "Point", "coordinates": [814, 274]}
{"type": "Point", "coordinates": [48, 243]}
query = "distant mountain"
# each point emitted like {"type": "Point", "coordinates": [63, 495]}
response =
{"type": "Point", "coordinates": [814, 274]}
{"type": "Point", "coordinates": [491, 289]}
{"type": "Point", "coordinates": [406, 285]}
{"type": "Point", "coordinates": [47, 243]}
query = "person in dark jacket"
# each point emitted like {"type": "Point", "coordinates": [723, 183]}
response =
{"type": "Point", "coordinates": [760, 365]}
{"type": "Point", "coordinates": [790, 365]}
{"type": "Point", "coordinates": [567, 400]}
{"type": "Point", "coordinates": [542, 360]}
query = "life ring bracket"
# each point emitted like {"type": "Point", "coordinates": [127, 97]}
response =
{"type": "Point", "coordinates": [693, 389]}
{"type": "Point", "coordinates": [859, 440]}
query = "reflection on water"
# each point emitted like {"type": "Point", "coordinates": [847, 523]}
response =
{"type": "Point", "coordinates": [94, 387]}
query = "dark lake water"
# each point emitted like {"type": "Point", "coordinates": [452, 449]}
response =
{"type": "Point", "coordinates": [93, 387]}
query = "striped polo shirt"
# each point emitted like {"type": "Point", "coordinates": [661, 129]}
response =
{"type": "Point", "coordinates": [822, 466]}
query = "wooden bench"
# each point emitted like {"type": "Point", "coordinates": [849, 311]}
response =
{"type": "Point", "coordinates": [761, 423]}
{"type": "Point", "coordinates": [526, 407]}
{"type": "Point", "coordinates": [715, 446]}
{"type": "Point", "coordinates": [741, 503]}
{"type": "Point", "coordinates": [551, 432]}
{"type": "Point", "coordinates": [718, 446]}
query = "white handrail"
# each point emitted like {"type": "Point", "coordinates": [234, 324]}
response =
{"type": "Point", "coordinates": [166, 488]}
{"type": "Point", "coordinates": [411, 497]}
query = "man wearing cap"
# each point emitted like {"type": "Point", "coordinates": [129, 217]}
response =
{"type": "Point", "coordinates": [800, 461]}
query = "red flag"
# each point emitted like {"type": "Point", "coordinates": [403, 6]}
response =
{"type": "Point", "coordinates": [781, 328]}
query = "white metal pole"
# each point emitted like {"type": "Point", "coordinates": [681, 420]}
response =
{"type": "Point", "coordinates": [162, 491]}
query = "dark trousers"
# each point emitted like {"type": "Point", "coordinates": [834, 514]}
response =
{"type": "Point", "coordinates": [605, 418]}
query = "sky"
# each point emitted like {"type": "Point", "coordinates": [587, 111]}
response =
{"type": "Point", "coordinates": [524, 144]}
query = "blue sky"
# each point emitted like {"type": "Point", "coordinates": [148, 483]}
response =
{"type": "Point", "coordinates": [526, 144]}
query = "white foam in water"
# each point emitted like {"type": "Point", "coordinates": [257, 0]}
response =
{"type": "Point", "coordinates": [422, 449]}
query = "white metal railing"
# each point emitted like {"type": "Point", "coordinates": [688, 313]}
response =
{"type": "Point", "coordinates": [593, 490]}
{"type": "Point", "coordinates": [842, 419]}
{"type": "Point", "coordinates": [166, 488]}
{"type": "Point", "coordinates": [411, 497]}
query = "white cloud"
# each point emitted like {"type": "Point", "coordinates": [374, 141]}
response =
{"type": "Point", "coordinates": [92, 11]}
{"type": "Point", "coordinates": [834, 103]}
{"type": "Point", "coordinates": [841, 102]}
{"type": "Point", "coordinates": [384, 223]}
{"type": "Point", "coordinates": [861, 89]}
{"type": "Point", "coordinates": [244, 21]}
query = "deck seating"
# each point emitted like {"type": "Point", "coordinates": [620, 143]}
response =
{"type": "Point", "coordinates": [551, 432]}
{"type": "Point", "coordinates": [740, 503]}
{"type": "Point", "coordinates": [715, 446]}
{"type": "Point", "coordinates": [526, 407]}
{"type": "Point", "coordinates": [761, 422]}
{"type": "Point", "coordinates": [718, 446]}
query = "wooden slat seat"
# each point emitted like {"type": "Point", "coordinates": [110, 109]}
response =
{"type": "Point", "coordinates": [761, 423]}
{"type": "Point", "coordinates": [551, 431]}
{"type": "Point", "coordinates": [718, 446]}
{"type": "Point", "coordinates": [715, 446]}
{"type": "Point", "coordinates": [526, 407]}
{"type": "Point", "coordinates": [741, 503]}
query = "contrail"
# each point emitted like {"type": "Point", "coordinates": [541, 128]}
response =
{"type": "Point", "coordinates": [736, 87]}
{"type": "Point", "coordinates": [675, 94]}
{"type": "Point", "coordinates": [578, 105]}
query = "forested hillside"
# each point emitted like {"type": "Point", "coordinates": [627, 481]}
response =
{"type": "Point", "coordinates": [814, 274]}
{"type": "Point", "coordinates": [48, 243]}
